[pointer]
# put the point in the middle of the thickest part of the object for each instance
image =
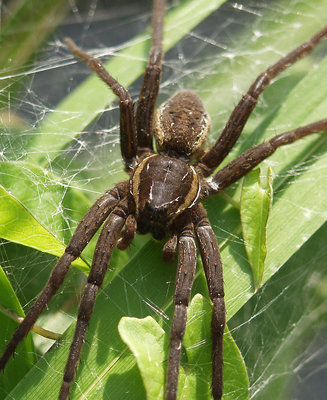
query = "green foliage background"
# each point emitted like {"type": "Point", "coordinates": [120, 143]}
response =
{"type": "Point", "coordinates": [51, 172]}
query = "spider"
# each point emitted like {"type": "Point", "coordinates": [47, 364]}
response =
{"type": "Point", "coordinates": [163, 196]}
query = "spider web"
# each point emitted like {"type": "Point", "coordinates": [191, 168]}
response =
{"type": "Point", "coordinates": [281, 330]}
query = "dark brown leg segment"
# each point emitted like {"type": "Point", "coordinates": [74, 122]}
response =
{"type": "Point", "coordinates": [251, 158]}
{"type": "Point", "coordinates": [184, 282]}
{"type": "Point", "coordinates": [151, 81]}
{"type": "Point", "coordinates": [128, 142]}
{"type": "Point", "coordinates": [212, 265]}
{"type": "Point", "coordinates": [102, 254]}
{"type": "Point", "coordinates": [128, 233]}
{"type": "Point", "coordinates": [83, 234]}
{"type": "Point", "coordinates": [232, 130]}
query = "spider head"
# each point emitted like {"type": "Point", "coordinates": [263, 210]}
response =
{"type": "Point", "coordinates": [163, 188]}
{"type": "Point", "coordinates": [181, 125]}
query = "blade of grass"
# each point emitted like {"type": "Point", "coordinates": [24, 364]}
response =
{"type": "Point", "coordinates": [255, 207]}
{"type": "Point", "coordinates": [24, 359]}
{"type": "Point", "coordinates": [19, 226]}
{"type": "Point", "coordinates": [25, 27]}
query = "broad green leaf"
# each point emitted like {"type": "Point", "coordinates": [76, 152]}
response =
{"type": "Point", "coordinates": [147, 341]}
{"type": "Point", "coordinates": [125, 295]}
{"type": "Point", "coordinates": [19, 226]}
{"type": "Point", "coordinates": [285, 325]}
{"type": "Point", "coordinates": [149, 344]}
{"type": "Point", "coordinates": [113, 362]}
{"type": "Point", "coordinates": [197, 343]}
{"type": "Point", "coordinates": [24, 359]}
{"type": "Point", "coordinates": [305, 195]}
{"type": "Point", "coordinates": [255, 206]}
{"type": "Point", "coordinates": [43, 194]}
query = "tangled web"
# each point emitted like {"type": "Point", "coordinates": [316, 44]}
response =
{"type": "Point", "coordinates": [60, 150]}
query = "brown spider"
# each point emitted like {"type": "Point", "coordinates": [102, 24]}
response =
{"type": "Point", "coordinates": [163, 196]}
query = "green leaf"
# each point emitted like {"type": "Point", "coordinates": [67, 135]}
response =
{"type": "Point", "coordinates": [43, 194]}
{"type": "Point", "coordinates": [19, 226]}
{"type": "Point", "coordinates": [147, 341]}
{"type": "Point", "coordinates": [197, 342]}
{"type": "Point", "coordinates": [24, 358]}
{"type": "Point", "coordinates": [149, 344]}
{"type": "Point", "coordinates": [284, 333]}
{"type": "Point", "coordinates": [19, 45]}
{"type": "Point", "coordinates": [125, 295]}
{"type": "Point", "coordinates": [255, 206]}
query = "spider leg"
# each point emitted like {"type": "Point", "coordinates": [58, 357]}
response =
{"type": "Point", "coordinates": [82, 235]}
{"type": "Point", "coordinates": [184, 281]}
{"type": "Point", "coordinates": [128, 233]}
{"type": "Point", "coordinates": [128, 141]}
{"type": "Point", "coordinates": [252, 157]}
{"type": "Point", "coordinates": [169, 249]}
{"type": "Point", "coordinates": [212, 265]}
{"type": "Point", "coordinates": [106, 243]}
{"type": "Point", "coordinates": [151, 81]}
{"type": "Point", "coordinates": [232, 130]}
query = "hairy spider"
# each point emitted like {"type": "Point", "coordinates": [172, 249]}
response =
{"type": "Point", "coordinates": [163, 196]}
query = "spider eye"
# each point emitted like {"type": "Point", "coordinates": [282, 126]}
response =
{"type": "Point", "coordinates": [181, 125]}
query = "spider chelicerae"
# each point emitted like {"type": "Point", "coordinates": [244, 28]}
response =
{"type": "Point", "coordinates": [163, 196]}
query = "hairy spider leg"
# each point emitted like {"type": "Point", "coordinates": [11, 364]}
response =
{"type": "Point", "coordinates": [128, 141]}
{"type": "Point", "coordinates": [135, 132]}
{"type": "Point", "coordinates": [184, 281]}
{"type": "Point", "coordinates": [239, 167]}
{"type": "Point", "coordinates": [151, 81]}
{"type": "Point", "coordinates": [169, 249]}
{"type": "Point", "coordinates": [128, 233]}
{"type": "Point", "coordinates": [105, 245]}
{"type": "Point", "coordinates": [238, 118]}
{"type": "Point", "coordinates": [82, 235]}
{"type": "Point", "coordinates": [212, 264]}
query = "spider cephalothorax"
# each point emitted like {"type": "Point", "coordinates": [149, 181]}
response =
{"type": "Point", "coordinates": [162, 197]}
{"type": "Point", "coordinates": [163, 187]}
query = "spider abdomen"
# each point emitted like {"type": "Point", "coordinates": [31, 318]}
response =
{"type": "Point", "coordinates": [163, 187]}
{"type": "Point", "coordinates": [181, 125]}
